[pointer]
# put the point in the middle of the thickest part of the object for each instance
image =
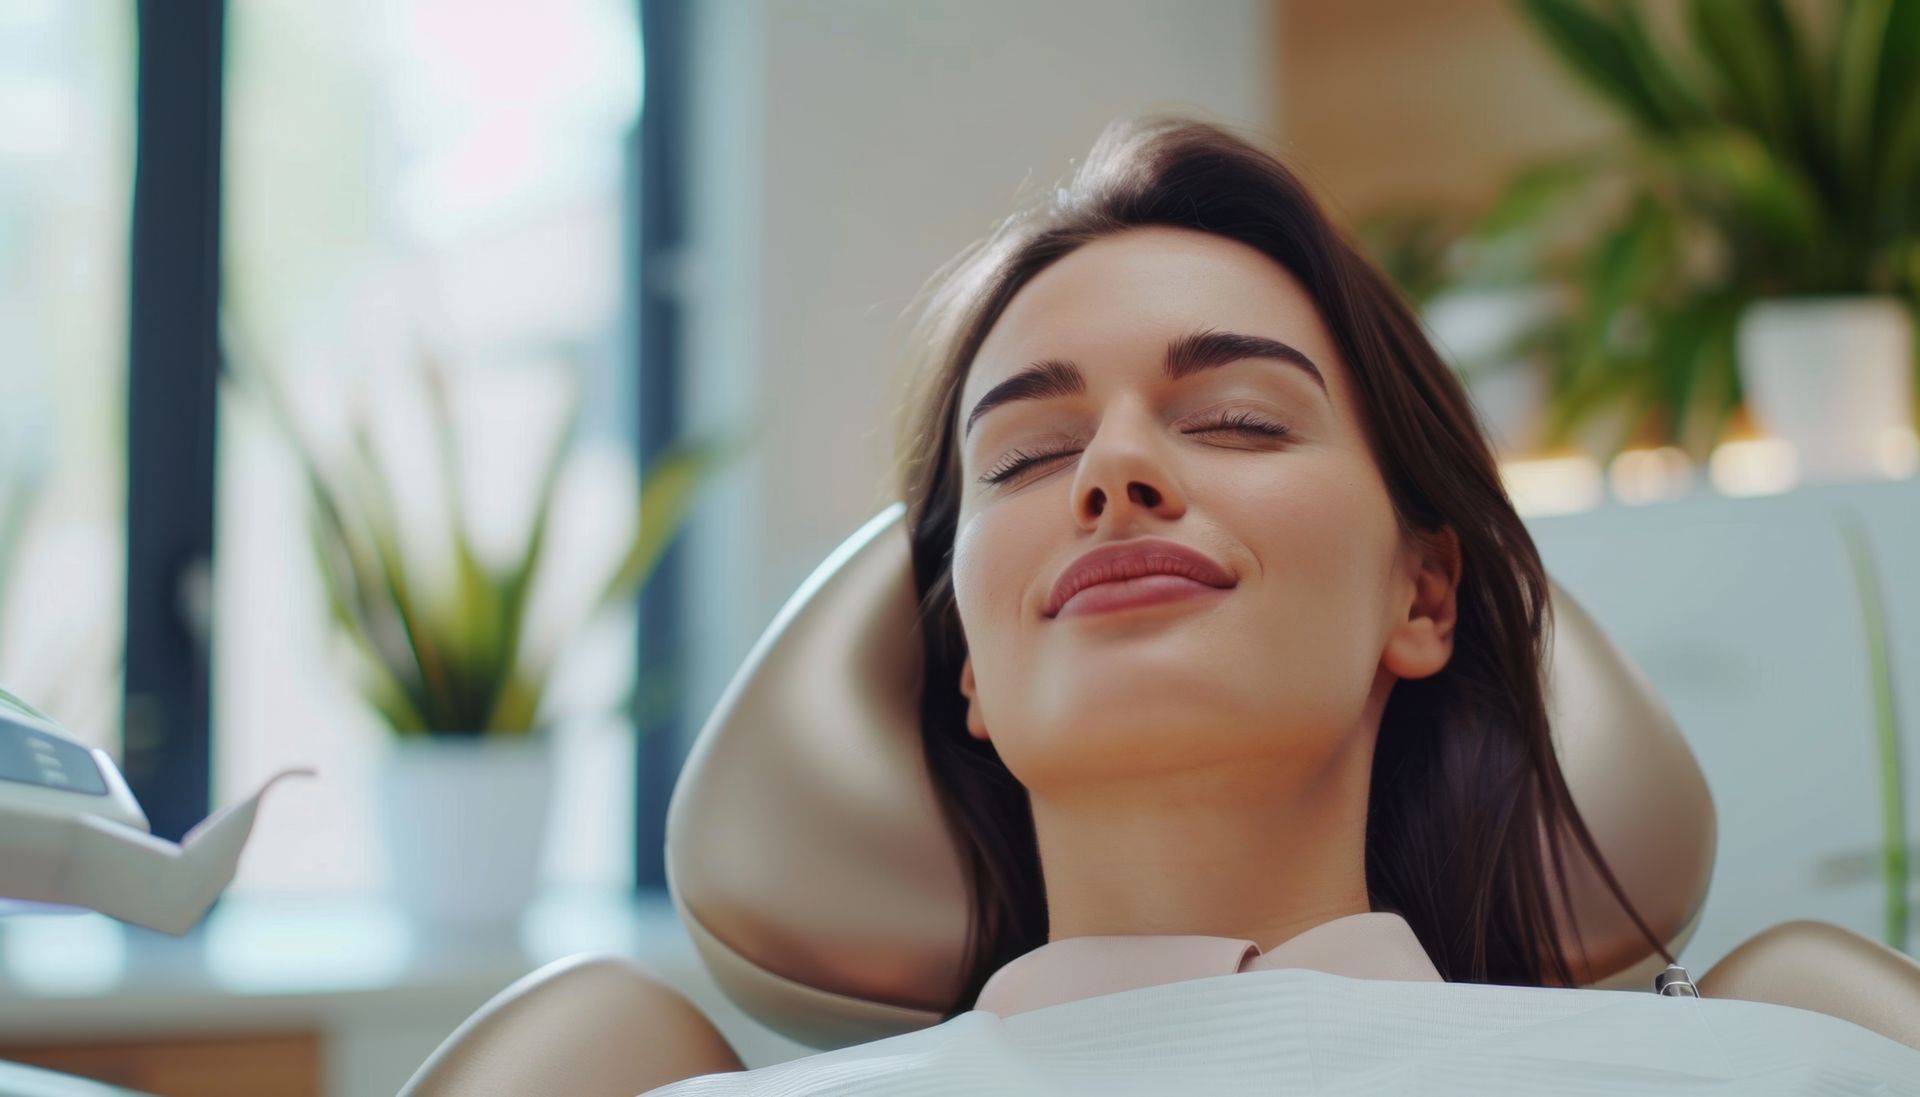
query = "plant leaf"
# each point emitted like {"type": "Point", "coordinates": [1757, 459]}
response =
{"type": "Point", "coordinates": [514, 705]}
{"type": "Point", "coordinates": [1895, 191]}
{"type": "Point", "coordinates": [1598, 51]}
{"type": "Point", "coordinates": [1760, 201]}
{"type": "Point", "coordinates": [666, 495]}
{"type": "Point", "coordinates": [1886, 729]}
{"type": "Point", "coordinates": [517, 704]}
{"type": "Point", "coordinates": [1678, 102]}
{"type": "Point", "coordinates": [1537, 195]}
{"type": "Point", "coordinates": [1856, 84]}
{"type": "Point", "coordinates": [476, 639]}
{"type": "Point", "coordinates": [374, 500]}
{"type": "Point", "coordinates": [1752, 49]}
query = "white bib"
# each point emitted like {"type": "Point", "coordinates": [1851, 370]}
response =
{"type": "Point", "coordinates": [1301, 1031]}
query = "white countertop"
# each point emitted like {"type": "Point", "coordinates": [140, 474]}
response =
{"type": "Point", "coordinates": [258, 963]}
{"type": "Point", "coordinates": [381, 989]}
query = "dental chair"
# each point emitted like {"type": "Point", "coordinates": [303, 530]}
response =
{"type": "Point", "coordinates": [808, 862]}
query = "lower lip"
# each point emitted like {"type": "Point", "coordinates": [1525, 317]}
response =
{"type": "Point", "coordinates": [1147, 590]}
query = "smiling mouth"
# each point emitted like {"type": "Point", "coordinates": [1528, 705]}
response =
{"type": "Point", "coordinates": [1157, 589]}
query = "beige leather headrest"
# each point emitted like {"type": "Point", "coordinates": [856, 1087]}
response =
{"type": "Point", "coordinates": [807, 857]}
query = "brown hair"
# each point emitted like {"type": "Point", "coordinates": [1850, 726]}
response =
{"type": "Point", "coordinates": [1465, 778]}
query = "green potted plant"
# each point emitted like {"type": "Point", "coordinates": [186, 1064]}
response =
{"type": "Point", "coordinates": [1756, 239]}
{"type": "Point", "coordinates": [1894, 870]}
{"type": "Point", "coordinates": [437, 643]}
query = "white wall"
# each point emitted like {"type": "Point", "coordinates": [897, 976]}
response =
{"type": "Point", "coordinates": [1744, 616]}
{"type": "Point", "coordinates": [845, 149]}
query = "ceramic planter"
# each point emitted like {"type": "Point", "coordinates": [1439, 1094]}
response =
{"type": "Point", "coordinates": [464, 820]}
{"type": "Point", "coordinates": [1833, 376]}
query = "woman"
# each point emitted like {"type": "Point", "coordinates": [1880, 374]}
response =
{"type": "Point", "coordinates": [1233, 654]}
{"type": "Point", "coordinates": [1334, 705]}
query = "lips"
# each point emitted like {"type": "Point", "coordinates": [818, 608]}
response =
{"type": "Point", "coordinates": [1123, 560]}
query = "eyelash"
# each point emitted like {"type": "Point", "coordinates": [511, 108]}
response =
{"type": "Point", "coordinates": [1243, 421]}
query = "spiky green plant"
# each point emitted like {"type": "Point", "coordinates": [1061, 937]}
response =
{"type": "Point", "coordinates": [458, 664]}
{"type": "Point", "coordinates": [1886, 728]}
{"type": "Point", "coordinates": [1764, 158]}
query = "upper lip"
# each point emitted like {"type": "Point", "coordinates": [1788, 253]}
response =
{"type": "Point", "coordinates": [1131, 559]}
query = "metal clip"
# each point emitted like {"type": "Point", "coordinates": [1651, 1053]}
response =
{"type": "Point", "coordinates": [1675, 983]}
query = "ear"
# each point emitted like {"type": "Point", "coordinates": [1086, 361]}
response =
{"type": "Point", "coordinates": [976, 722]}
{"type": "Point", "coordinates": [1420, 645]}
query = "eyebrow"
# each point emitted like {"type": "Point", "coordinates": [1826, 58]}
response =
{"type": "Point", "coordinates": [1186, 356]}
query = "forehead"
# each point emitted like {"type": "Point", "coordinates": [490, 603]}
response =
{"type": "Point", "coordinates": [1113, 305]}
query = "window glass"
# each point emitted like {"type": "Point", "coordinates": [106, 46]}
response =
{"type": "Point", "coordinates": [406, 177]}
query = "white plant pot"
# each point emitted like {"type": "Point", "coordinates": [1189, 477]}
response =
{"type": "Point", "coordinates": [465, 820]}
{"type": "Point", "coordinates": [1833, 377]}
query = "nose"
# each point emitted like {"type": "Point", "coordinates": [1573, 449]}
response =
{"type": "Point", "coordinates": [1123, 473]}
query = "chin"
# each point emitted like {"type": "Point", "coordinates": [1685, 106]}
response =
{"type": "Point", "coordinates": [1128, 734]}
{"type": "Point", "coordinates": [1135, 723]}
{"type": "Point", "coordinates": [1147, 686]}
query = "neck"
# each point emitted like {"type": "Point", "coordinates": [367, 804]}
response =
{"type": "Point", "coordinates": [1257, 852]}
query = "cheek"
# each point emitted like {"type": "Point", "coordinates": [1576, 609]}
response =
{"type": "Point", "coordinates": [967, 566]}
{"type": "Point", "coordinates": [1325, 545]}
{"type": "Point", "coordinates": [999, 550]}
{"type": "Point", "coordinates": [998, 555]}
{"type": "Point", "coordinates": [987, 571]}
{"type": "Point", "coordinates": [1322, 526]}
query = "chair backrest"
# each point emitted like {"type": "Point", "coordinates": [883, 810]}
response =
{"type": "Point", "coordinates": [808, 859]}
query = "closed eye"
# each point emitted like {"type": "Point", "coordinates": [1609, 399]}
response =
{"type": "Point", "coordinates": [1239, 421]}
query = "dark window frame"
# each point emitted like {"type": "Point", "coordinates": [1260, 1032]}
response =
{"type": "Point", "coordinates": [659, 189]}
{"type": "Point", "coordinates": [172, 396]}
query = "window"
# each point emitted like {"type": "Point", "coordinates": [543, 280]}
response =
{"type": "Point", "coordinates": [400, 173]}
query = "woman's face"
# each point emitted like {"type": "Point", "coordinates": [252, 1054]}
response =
{"type": "Point", "coordinates": [1296, 658]}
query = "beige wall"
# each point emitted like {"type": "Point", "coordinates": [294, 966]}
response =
{"type": "Point", "coordinates": [1386, 103]}
{"type": "Point", "coordinates": [845, 150]}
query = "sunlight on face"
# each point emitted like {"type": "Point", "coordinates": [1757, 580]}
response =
{"type": "Point", "coordinates": [1250, 462]}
